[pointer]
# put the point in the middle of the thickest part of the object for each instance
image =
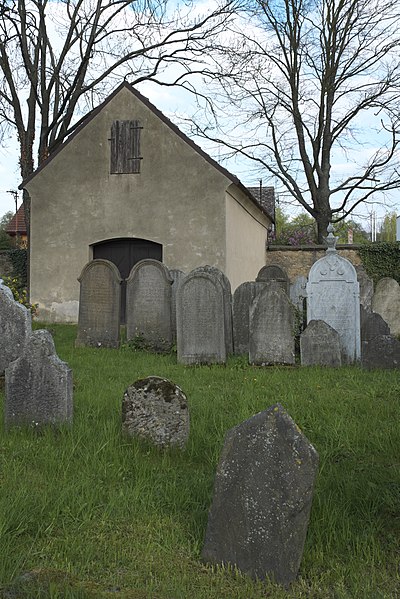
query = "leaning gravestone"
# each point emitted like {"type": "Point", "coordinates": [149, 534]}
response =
{"type": "Point", "coordinates": [386, 302]}
{"type": "Point", "coordinates": [227, 294]}
{"type": "Point", "coordinates": [242, 301]}
{"type": "Point", "coordinates": [200, 320]}
{"type": "Point", "coordinates": [176, 276]}
{"type": "Point", "coordinates": [99, 305]}
{"type": "Point", "coordinates": [271, 337]}
{"type": "Point", "coordinates": [274, 273]}
{"type": "Point", "coordinates": [148, 305]}
{"type": "Point", "coordinates": [262, 497]}
{"type": "Point", "coordinates": [155, 409]}
{"type": "Point", "coordinates": [15, 328]}
{"type": "Point", "coordinates": [38, 386]}
{"type": "Point", "coordinates": [333, 296]}
{"type": "Point", "coordinates": [320, 345]}
{"type": "Point", "coordinates": [298, 292]}
{"type": "Point", "coordinates": [372, 325]}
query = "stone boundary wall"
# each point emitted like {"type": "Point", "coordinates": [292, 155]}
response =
{"type": "Point", "coordinates": [6, 267]}
{"type": "Point", "coordinates": [297, 260]}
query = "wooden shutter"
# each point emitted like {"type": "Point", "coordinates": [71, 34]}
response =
{"type": "Point", "coordinates": [125, 147]}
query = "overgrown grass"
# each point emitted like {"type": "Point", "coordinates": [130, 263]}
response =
{"type": "Point", "coordinates": [85, 513]}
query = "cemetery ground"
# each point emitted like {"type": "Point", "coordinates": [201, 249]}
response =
{"type": "Point", "coordinates": [87, 513]}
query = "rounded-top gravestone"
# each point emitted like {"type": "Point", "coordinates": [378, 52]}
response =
{"type": "Point", "coordinates": [155, 409]}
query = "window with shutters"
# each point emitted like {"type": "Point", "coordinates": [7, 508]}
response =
{"type": "Point", "coordinates": [125, 147]}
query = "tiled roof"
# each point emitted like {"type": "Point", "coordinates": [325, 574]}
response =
{"type": "Point", "coordinates": [265, 196]}
{"type": "Point", "coordinates": [17, 225]}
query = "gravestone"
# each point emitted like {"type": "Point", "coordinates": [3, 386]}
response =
{"type": "Point", "coordinates": [227, 294]}
{"type": "Point", "coordinates": [243, 298]}
{"type": "Point", "coordinates": [148, 305]}
{"type": "Point", "coordinates": [15, 328]}
{"type": "Point", "coordinates": [382, 351]}
{"type": "Point", "coordinates": [38, 386]}
{"type": "Point", "coordinates": [298, 292]}
{"type": "Point", "coordinates": [333, 296]}
{"type": "Point", "coordinates": [156, 409]}
{"type": "Point", "coordinates": [262, 497]}
{"type": "Point", "coordinates": [176, 276]}
{"type": "Point", "coordinates": [273, 272]}
{"type": "Point", "coordinates": [372, 325]}
{"type": "Point", "coordinates": [99, 305]}
{"type": "Point", "coordinates": [200, 320]}
{"type": "Point", "coordinates": [366, 287]}
{"type": "Point", "coordinates": [320, 345]}
{"type": "Point", "coordinates": [386, 302]}
{"type": "Point", "coordinates": [271, 329]}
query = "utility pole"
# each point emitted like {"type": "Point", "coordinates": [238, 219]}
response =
{"type": "Point", "coordinates": [14, 193]}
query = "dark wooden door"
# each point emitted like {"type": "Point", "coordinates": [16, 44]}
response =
{"type": "Point", "coordinates": [124, 253]}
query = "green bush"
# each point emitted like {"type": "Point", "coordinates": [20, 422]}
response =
{"type": "Point", "coordinates": [381, 260]}
{"type": "Point", "coordinates": [19, 292]}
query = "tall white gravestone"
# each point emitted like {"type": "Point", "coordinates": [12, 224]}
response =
{"type": "Point", "coordinates": [333, 295]}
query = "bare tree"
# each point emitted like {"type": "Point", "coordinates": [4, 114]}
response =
{"type": "Point", "coordinates": [56, 55]}
{"type": "Point", "coordinates": [306, 77]}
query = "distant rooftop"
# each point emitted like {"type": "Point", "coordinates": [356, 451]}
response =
{"type": "Point", "coordinates": [17, 225]}
{"type": "Point", "coordinates": [265, 196]}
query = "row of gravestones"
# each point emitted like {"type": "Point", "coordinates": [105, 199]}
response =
{"type": "Point", "coordinates": [197, 310]}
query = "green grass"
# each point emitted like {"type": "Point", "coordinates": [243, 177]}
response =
{"type": "Point", "coordinates": [86, 513]}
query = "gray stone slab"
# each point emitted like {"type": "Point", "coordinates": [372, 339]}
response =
{"type": "Point", "coordinates": [157, 410]}
{"type": "Point", "coordinates": [372, 324]}
{"type": "Point", "coordinates": [226, 286]}
{"type": "Point", "coordinates": [386, 302]}
{"type": "Point", "coordinates": [320, 345]}
{"type": "Point", "coordinates": [382, 351]}
{"type": "Point", "coordinates": [262, 497]}
{"type": "Point", "coordinates": [38, 386]}
{"type": "Point", "coordinates": [148, 305]}
{"type": "Point", "coordinates": [242, 301]}
{"type": "Point", "coordinates": [333, 296]}
{"type": "Point", "coordinates": [99, 305]}
{"type": "Point", "coordinates": [200, 320]}
{"type": "Point", "coordinates": [271, 339]}
{"type": "Point", "coordinates": [273, 272]}
{"type": "Point", "coordinates": [176, 276]}
{"type": "Point", "coordinates": [15, 328]}
{"type": "Point", "coordinates": [298, 292]}
{"type": "Point", "coordinates": [366, 287]}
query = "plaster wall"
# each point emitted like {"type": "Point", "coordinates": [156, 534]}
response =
{"type": "Point", "coordinates": [178, 200]}
{"type": "Point", "coordinates": [246, 236]}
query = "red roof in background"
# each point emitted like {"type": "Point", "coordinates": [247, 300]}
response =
{"type": "Point", "coordinates": [17, 224]}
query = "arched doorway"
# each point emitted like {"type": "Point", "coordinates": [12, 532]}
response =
{"type": "Point", "coordinates": [124, 253]}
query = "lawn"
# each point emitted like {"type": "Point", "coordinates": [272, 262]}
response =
{"type": "Point", "coordinates": [86, 513]}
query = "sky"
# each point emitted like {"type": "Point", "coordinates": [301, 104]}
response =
{"type": "Point", "coordinates": [175, 104]}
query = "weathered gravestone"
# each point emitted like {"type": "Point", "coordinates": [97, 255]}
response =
{"type": "Point", "coordinates": [227, 295]}
{"type": "Point", "coordinates": [274, 273]}
{"type": "Point", "coordinates": [333, 296]}
{"type": "Point", "coordinates": [386, 302]}
{"type": "Point", "coordinates": [366, 287]}
{"type": "Point", "coordinates": [242, 301]}
{"type": "Point", "coordinates": [99, 305]}
{"type": "Point", "coordinates": [38, 386]}
{"type": "Point", "coordinates": [372, 324]}
{"type": "Point", "coordinates": [382, 351]}
{"type": "Point", "coordinates": [298, 292]}
{"type": "Point", "coordinates": [148, 305]}
{"type": "Point", "coordinates": [176, 276]}
{"type": "Point", "coordinates": [320, 345]}
{"type": "Point", "coordinates": [200, 320]}
{"type": "Point", "coordinates": [155, 409]}
{"type": "Point", "coordinates": [262, 497]}
{"type": "Point", "coordinates": [15, 328]}
{"type": "Point", "coordinates": [271, 337]}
